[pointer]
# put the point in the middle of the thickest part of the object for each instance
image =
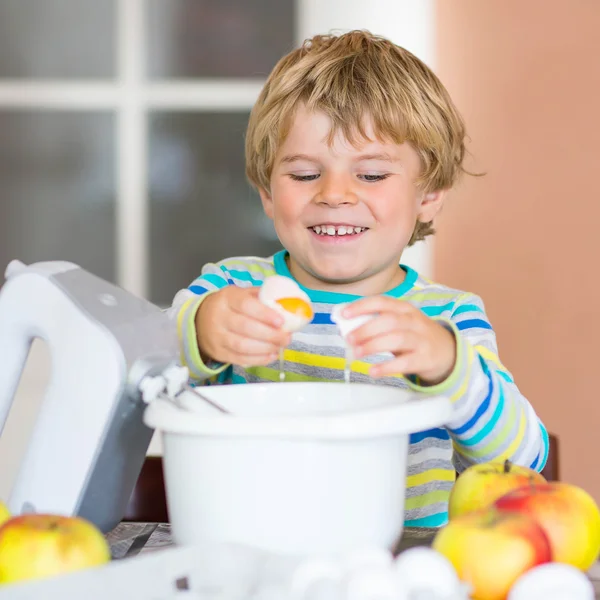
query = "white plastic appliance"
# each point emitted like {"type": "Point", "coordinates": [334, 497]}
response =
{"type": "Point", "coordinates": [294, 467]}
{"type": "Point", "coordinates": [89, 441]}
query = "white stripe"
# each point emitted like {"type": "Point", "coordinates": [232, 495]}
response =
{"type": "Point", "coordinates": [476, 393]}
{"type": "Point", "coordinates": [318, 340]}
{"type": "Point", "coordinates": [430, 453]}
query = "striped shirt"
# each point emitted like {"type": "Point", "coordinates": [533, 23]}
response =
{"type": "Point", "coordinates": [491, 419]}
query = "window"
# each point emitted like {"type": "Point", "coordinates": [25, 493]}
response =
{"type": "Point", "coordinates": [121, 135]}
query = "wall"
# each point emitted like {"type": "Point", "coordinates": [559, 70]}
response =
{"type": "Point", "coordinates": [526, 77]}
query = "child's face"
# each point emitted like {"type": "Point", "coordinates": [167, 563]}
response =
{"type": "Point", "coordinates": [342, 188]}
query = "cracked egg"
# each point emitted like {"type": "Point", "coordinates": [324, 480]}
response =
{"type": "Point", "coordinates": [286, 297]}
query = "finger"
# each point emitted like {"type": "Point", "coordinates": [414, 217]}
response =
{"type": "Point", "coordinates": [255, 360]}
{"type": "Point", "coordinates": [394, 342]}
{"type": "Point", "coordinates": [239, 345]}
{"type": "Point", "coordinates": [247, 303]}
{"type": "Point", "coordinates": [249, 327]}
{"type": "Point", "coordinates": [384, 323]}
{"type": "Point", "coordinates": [377, 304]}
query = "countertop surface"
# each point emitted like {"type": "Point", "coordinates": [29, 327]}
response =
{"type": "Point", "coordinates": [132, 539]}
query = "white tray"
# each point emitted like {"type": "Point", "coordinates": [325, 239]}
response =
{"type": "Point", "coordinates": [203, 573]}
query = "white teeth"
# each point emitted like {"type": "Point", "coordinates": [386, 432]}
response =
{"type": "Point", "coordinates": [341, 230]}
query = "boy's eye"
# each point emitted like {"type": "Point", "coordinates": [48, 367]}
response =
{"type": "Point", "coordinates": [310, 177]}
{"type": "Point", "coordinates": [371, 178]}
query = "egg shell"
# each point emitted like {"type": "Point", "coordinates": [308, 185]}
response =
{"type": "Point", "coordinates": [423, 569]}
{"type": "Point", "coordinates": [276, 287]}
{"type": "Point", "coordinates": [347, 325]}
{"type": "Point", "coordinates": [552, 581]}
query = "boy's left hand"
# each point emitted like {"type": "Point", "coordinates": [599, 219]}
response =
{"type": "Point", "coordinates": [420, 345]}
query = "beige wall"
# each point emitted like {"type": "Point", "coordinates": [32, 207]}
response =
{"type": "Point", "coordinates": [526, 76]}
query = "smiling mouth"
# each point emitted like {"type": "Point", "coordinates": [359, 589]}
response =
{"type": "Point", "coordinates": [337, 230]}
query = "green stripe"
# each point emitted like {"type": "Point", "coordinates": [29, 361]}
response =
{"type": "Point", "coordinates": [273, 375]}
{"type": "Point", "coordinates": [426, 499]}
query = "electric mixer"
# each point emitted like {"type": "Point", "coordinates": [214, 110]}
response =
{"type": "Point", "coordinates": [89, 440]}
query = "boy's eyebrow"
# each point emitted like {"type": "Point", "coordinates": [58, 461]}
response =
{"type": "Point", "coordinates": [293, 157]}
{"type": "Point", "coordinates": [379, 156]}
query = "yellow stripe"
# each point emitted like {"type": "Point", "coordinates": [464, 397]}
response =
{"type": "Point", "coordinates": [426, 499]}
{"type": "Point", "coordinates": [429, 476]}
{"type": "Point", "coordinates": [315, 360]}
{"type": "Point", "coordinates": [337, 363]}
{"type": "Point", "coordinates": [424, 296]}
{"type": "Point", "coordinates": [510, 451]}
{"type": "Point", "coordinates": [491, 356]}
{"type": "Point", "coordinates": [267, 268]}
{"type": "Point", "coordinates": [463, 388]}
{"type": "Point", "coordinates": [186, 332]}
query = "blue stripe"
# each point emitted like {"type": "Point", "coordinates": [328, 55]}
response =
{"type": "Point", "coordinates": [505, 376]}
{"type": "Point", "coordinates": [197, 289]}
{"type": "Point", "coordinates": [439, 434]}
{"type": "Point", "coordinates": [546, 443]}
{"type": "Point", "coordinates": [434, 311]}
{"type": "Point", "coordinates": [535, 462]}
{"type": "Point", "coordinates": [487, 428]}
{"type": "Point", "coordinates": [467, 308]}
{"type": "Point", "coordinates": [473, 324]}
{"type": "Point", "coordinates": [235, 378]}
{"type": "Point", "coordinates": [436, 520]}
{"type": "Point", "coordinates": [216, 280]}
{"type": "Point", "coordinates": [225, 375]}
{"type": "Point", "coordinates": [480, 411]}
{"type": "Point", "coordinates": [244, 276]}
{"type": "Point", "coordinates": [322, 319]}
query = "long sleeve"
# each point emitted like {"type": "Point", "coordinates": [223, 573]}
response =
{"type": "Point", "coordinates": [183, 311]}
{"type": "Point", "coordinates": [492, 420]}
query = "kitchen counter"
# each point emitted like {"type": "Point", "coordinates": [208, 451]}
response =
{"type": "Point", "coordinates": [131, 539]}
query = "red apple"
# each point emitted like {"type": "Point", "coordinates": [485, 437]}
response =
{"type": "Point", "coordinates": [491, 550]}
{"type": "Point", "coordinates": [567, 513]}
{"type": "Point", "coordinates": [35, 546]}
{"type": "Point", "coordinates": [480, 485]}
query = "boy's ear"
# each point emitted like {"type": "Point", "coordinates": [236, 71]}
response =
{"type": "Point", "coordinates": [431, 204]}
{"type": "Point", "coordinates": [267, 202]}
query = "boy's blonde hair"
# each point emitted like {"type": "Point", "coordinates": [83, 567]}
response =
{"type": "Point", "coordinates": [349, 77]}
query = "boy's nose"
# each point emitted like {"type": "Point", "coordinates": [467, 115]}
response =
{"type": "Point", "coordinates": [335, 191]}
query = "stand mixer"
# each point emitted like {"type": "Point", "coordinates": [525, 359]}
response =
{"type": "Point", "coordinates": [89, 440]}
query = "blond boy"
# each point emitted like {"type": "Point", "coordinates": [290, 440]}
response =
{"type": "Point", "coordinates": [352, 145]}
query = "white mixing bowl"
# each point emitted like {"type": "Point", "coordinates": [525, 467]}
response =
{"type": "Point", "coordinates": [298, 468]}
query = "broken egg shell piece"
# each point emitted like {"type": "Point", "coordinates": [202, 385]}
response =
{"type": "Point", "coordinates": [347, 325]}
{"type": "Point", "coordinates": [276, 287]}
{"type": "Point", "coordinates": [552, 581]}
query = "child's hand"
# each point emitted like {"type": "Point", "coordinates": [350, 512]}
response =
{"type": "Point", "coordinates": [235, 327]}
{"type": "Point", "coordinates": [420, 345]}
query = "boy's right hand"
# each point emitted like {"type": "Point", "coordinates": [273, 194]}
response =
{"type": "Point", "coordinates": [233, 326]}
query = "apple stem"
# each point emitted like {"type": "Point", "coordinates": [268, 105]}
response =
{"type": "Point", "coordinates": [507, 466]}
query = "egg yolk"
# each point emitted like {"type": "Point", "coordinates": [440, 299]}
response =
{"type": "Point", "coordinates": [296, 306]}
